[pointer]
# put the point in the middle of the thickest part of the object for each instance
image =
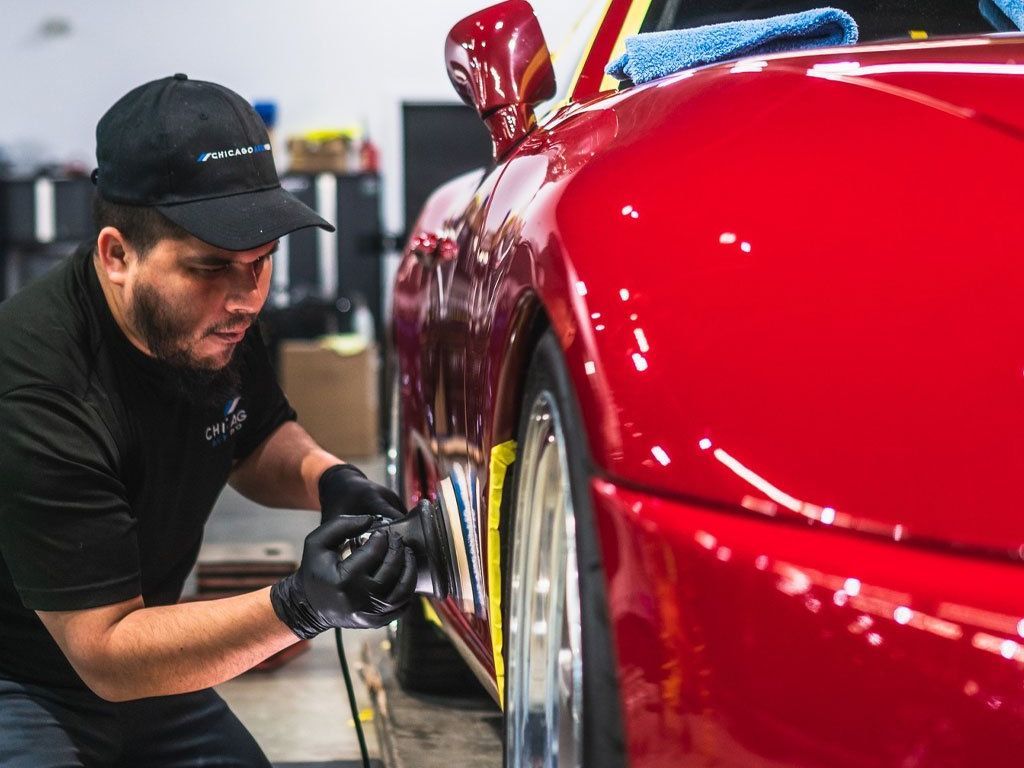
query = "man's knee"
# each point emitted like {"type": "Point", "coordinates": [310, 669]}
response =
{"type": "Point", "coordinates": [176, 731]}
{"type": "Point", "coordinates": [39, 731]}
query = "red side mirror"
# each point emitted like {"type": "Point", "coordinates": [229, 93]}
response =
{"type": "Point", "coordinates": [499, 64]}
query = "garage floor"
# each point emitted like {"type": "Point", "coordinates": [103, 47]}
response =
{"type": "Point", "coordinates": [299, 713]}
{"type": "Point", "coordinates": [417, 730]}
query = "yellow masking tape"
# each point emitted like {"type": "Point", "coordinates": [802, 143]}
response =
{"type": "Point", "coordinates": [634, 18]}
{"type": "Point", "coordinates": [501, 456]}
{"type": "Point", "coordinates": [586, 50]}
{"type": "Point", "coordinates": [583, 59]}
{"type": "Point", "coordinates": [429, 613]}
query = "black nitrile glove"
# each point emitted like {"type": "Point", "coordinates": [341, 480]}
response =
{"type": "Point", "coordinates": [344, 490]}
{"type": "Point", "coordinates": [368, 588]}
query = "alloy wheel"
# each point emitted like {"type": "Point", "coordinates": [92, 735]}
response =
{"type": "Point", "coordinates": [544, 718]}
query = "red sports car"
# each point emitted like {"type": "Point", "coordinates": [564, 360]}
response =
{"type": "Point", "coordinates": [727, 369]}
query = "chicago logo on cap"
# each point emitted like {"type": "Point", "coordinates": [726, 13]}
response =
{"type": "Point", "coordinates": [235, 152]}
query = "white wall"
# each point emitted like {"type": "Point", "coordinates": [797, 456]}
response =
{"type": "Point", "coordinates": [324, 62]}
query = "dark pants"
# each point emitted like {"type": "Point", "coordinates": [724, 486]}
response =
{"type": "Point", "coordinates": [40, 728]}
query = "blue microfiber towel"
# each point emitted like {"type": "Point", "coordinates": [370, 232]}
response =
{"type": "Point", "coordinates": [656, 54]}
{"type": "Point", "coordinates": [1011, 11]}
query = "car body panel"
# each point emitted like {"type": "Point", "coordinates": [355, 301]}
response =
{"type": "Point", "coordinates": [866, 376]}
{"type": "Point", "coordinates": [746, 643]}
{"type": "Point", "coordinates": [786, 293]}
{"type": "Point", "coordinates": [431, 359]}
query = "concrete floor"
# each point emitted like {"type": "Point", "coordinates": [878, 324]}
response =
{"type": "Point", "coordinates": [299, 713]}
{"type": "Point", "coordinates": [418, 730]}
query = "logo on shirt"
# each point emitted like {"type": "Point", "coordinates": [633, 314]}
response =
{"type": "Point", "coordinates": [221, 154]}
{"type": "Point", "coordinates": [234, 418]}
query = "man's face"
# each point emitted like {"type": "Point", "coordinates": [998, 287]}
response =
{"type": "Point", "coordinates": [191, 303]}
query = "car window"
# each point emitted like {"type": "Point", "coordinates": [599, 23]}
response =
{"type": "Point", "coordinates": [876, 19]}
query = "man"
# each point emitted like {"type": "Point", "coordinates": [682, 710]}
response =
{"type": "Point", "coordinates": [133, 384]}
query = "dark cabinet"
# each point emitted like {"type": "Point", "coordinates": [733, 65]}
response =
{"type": "Point", "coordinates": [42, 219]}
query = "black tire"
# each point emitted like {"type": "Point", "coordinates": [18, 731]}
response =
{"type": "Point", "coordinates": [603, 743]}
{"type": "Point", "coordinates": [426, 661]}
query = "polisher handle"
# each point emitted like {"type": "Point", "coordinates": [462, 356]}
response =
{"type": "Point", "coordinates": [420, 531]}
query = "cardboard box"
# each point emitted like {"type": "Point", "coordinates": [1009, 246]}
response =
{"type": "Point", "coordinates": [335, 394]}
{"type": "Point", "coordinates": [331, 156]}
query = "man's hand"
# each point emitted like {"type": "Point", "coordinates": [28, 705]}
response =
{"type": "Point", "coordinates": [344, 490]}
{"type": "Point", "coordinates": [369, 588]}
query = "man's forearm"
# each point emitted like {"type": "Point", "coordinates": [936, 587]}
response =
{"type": "Point", "coordinates": [284, 470]}
{"type": "Point", "coordinates": [173, 649]}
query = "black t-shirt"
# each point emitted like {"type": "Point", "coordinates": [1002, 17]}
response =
{"type": "Point", "coordinates": [108, 472]}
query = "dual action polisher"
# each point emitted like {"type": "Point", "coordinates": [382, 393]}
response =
{"type": "Point", "coordinates": [425, 529]}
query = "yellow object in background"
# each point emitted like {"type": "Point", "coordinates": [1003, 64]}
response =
{"type": "Point", "coordinates": [918, 34]}
{"type": "Point", "coordinates": [320, 135]}
{"type": "Point", "coordinates": [325, 150]}
{"type": "Point", "coordinates": [344, 344]}
{"type": "Point", "coordinates": [365, 716]}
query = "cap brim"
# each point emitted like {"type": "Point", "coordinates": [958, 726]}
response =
{"type": "Point", "coordinates": [244, 221]}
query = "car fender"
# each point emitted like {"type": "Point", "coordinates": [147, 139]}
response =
{"type": "Point", "coordinates": [746, 306]}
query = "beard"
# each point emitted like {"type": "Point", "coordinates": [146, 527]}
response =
{"type": "Point", "coordinates": [168, 332]}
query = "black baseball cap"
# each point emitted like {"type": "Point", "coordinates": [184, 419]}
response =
{"type": "Point", "coordinates": [199, 154]}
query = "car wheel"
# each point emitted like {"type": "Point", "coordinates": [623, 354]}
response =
{"type": "Point", "coordinates": [424, 659]}
{"type": "Point", "coordinates": [562, 699]}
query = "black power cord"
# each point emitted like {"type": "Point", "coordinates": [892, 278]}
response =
{"type": "Point", "coordinates": [352, 698]}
